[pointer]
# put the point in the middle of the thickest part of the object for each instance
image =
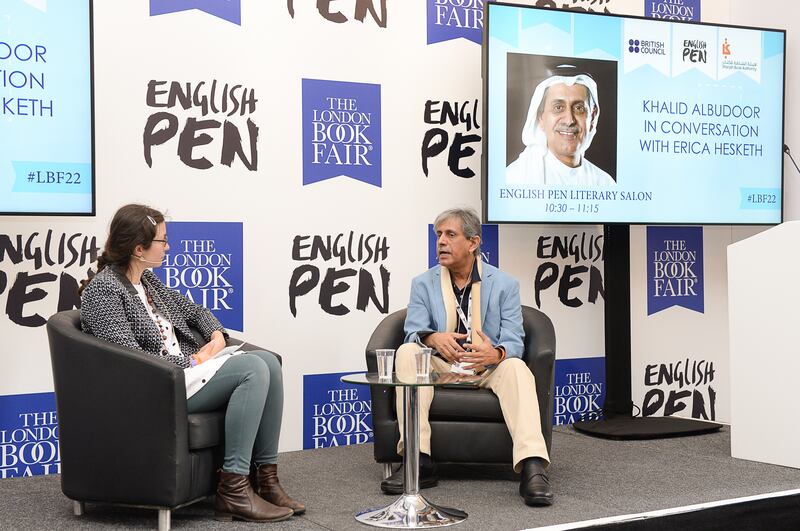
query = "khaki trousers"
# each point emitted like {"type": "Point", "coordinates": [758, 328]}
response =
{"type": "Point", "coordinates": [515, 387]}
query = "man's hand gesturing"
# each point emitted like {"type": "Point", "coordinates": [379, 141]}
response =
{"type": "Point", "coordinates": [446, 344]}
{"type": "Point", "coordinates": [481, 355]}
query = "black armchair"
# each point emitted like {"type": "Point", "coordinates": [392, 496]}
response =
{"type": "Point", "coordinates": [124, 432]}
{"type": "Point", "coordinates": [459, 415]}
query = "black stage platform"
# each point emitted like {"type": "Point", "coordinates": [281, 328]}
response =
{"type": "Point", "coordinates": [678, 483]}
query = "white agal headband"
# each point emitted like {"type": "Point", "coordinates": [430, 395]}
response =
{"type": "Point", "coordinates": [532, 135]}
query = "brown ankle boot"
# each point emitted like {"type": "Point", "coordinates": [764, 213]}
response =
{"type": "Point", "coordinates": [236, 499]}
{"type": "Point", "coordinates": [268, 487]}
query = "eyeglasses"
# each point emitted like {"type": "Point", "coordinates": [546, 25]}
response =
{"type": "Point", "coordinates": [164, 241]}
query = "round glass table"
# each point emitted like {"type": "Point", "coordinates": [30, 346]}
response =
{"type": "Point", "coordinates": [412, 510]}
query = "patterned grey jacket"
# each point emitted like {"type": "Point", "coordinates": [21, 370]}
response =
{"type": "Point", "coordinates": [112, 310]}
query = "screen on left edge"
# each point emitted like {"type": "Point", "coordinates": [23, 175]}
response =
{"type": "Point", "coordinates": [46, 111]}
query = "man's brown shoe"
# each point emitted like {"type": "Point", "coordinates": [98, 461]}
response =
{"type": "Point", "coordinates": [237, 499]}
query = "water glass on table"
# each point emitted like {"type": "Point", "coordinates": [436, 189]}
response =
{"type": "Point", "coordinates": [423, 359]}
{"type": "Point", "coordinates": [385, 362]}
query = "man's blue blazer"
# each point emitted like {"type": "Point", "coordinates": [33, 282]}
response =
{"type": "Point", "coordinates": [501, 313]}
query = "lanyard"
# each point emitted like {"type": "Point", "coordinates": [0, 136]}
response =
{"type": "Point", "coordinates": [466, 319]}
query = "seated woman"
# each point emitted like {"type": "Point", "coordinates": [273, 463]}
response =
{"type": "Point", "coordinates": [125, 303]}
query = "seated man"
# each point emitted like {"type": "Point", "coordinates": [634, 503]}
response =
{"type": "Point", "coordinates": [470, 313]}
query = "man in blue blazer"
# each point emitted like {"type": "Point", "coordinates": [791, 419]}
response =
{"type": "Point", "coordinates": [469, 313]}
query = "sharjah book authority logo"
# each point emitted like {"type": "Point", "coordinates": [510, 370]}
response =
{"type": "Point", "coordinates": [341, 131]}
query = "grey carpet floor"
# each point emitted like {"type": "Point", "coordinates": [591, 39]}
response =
{"type": "Point", "coordinates": [591, 478]}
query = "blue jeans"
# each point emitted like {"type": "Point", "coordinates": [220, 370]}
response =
{"type": "Point", "coordinates": [250, 388]}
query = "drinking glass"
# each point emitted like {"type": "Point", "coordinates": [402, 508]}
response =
{"type": "Point", "coordinates": [385, 362]}
{"type": "Point", "coordinates": [423, 358]}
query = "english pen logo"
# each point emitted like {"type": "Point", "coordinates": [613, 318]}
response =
{"type": "Point", "coordinates": [695, 51]}
{"type": "Point", "coordinates": [331, 11]}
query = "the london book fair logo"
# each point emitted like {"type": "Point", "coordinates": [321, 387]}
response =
{"type": "Point", "coordinates": [335, 413]}
{"type": "Point", "coordinates": [453, 19]}
{"type": "Point", "coordinates": [674, 268]}
{"type": "Point", "coordinates": [230, 10]}
{"type": "Point", "coordinates": [204, 263]}
{"type": "Point", "coordinates": [28, 436]}
{"type": "Point", "coordinates": [673, 9]}
{"type": "Point", "coordinates": [341, 131]}
{"type": "Point", "coordinates": [579, 390]}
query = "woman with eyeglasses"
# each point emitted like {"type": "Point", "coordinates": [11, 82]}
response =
{"type": "Point", "coordinates": [126, 303]}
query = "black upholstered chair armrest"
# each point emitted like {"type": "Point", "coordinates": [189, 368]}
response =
{"type": "Point", "coordinates": [137, 402]}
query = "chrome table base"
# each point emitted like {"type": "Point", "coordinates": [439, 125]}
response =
{"type": "Point", "coordinates": [411, 511]}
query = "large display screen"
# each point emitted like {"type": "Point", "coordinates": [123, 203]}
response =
{"type": "Point", "coordinates": [596, 118]}
{"type": "Point", "coordinates": [46, 113]}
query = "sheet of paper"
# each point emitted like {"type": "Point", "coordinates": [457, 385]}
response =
{"type": "Point", "coordinates": [233, 349]}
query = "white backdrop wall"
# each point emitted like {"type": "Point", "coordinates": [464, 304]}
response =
{"type": "Point", "coordinates": [271, 51]}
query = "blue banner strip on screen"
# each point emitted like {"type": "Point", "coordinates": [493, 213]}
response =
{"type": "Point", "coordinates": [52, 177]}
{"type": "Point", "coordinates": [760, 198]}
